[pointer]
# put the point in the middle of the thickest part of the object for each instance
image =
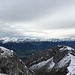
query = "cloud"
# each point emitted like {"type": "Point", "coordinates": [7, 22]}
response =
{"type": "Point", "coordinates": [65, 18]}
{"type": "Point", "coordinates": [26, 10]}
{"type": "Point", "coordinates": [22, 10]}
{"type": "Point", "coordinates": [41, 18]}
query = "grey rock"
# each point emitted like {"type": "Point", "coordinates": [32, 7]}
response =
{"type": "Point", "coordinates": [11, 64]}
{"type": "Point", "coordinates": [55, 61]}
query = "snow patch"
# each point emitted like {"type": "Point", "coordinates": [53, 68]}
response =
{"type": "Point", "coordinates": [64, 62]}
{"type": "Point", "coordinates": [6, 52]}
{"type": "Point", "coordinates": [2, 74]}
{"type": "Point", "coordinates": [71, 67]}
{"type": "Point", "coordinates": [66, 48]}
{"type": "Point", "coordinates": [51, 65]}
{"type": "Point", "coordinates": [42, 64]}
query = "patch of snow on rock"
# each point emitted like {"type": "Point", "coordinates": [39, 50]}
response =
{"type": "Point", "coordinates": [64, 62]}
{"type": "Point", "coordinates": [71, 67]}
{"type": "Point", "coordinates": [2, 74]}
{"type": "Point", "coordinates": [42, 64]}
{"type": "Point", "coordinates": [50, 66]}
{"type": "Point", "coordinates": [66, 48]}
{"type": "Point", "coordinates": [5, 51]}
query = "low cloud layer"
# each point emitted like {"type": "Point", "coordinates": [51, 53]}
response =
{"type": "Point", "coordinates": [41, 18]}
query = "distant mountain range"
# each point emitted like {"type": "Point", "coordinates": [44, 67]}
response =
{"type": "Point", "coordinates": [20, 40]}
{"type": "Point", "coordinates": [25, 47]}
{"type": "Point", "coordinates": [42, 56]}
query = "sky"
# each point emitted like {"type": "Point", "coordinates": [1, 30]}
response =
{"type": "Point", "coordinates": [37, 18]}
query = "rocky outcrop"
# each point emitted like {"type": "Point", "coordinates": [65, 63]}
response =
{"type": "Point", "coordinates": [59, 60]}
{"type": "Point", "coordinates": [10, 64]}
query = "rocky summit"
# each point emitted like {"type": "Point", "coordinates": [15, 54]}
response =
{"type": "Point", "coordinates": [59, 60]}
{"type": "Point", "coordinates": [10, 64]}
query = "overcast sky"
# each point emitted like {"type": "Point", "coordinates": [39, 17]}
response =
{"type": "Point", "coordinates": [37, 18]}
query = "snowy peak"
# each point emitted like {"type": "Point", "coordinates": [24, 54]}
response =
{"type": "Point", "coordinates": [19, 40]}
{"type": "Point", "coordinates": [59, 60]}
{"type": "Point", "coordinates": [66, 63]}
{"type": "Point", "coordinates": [63, 48]}
{"type": "Point", "coordinates": [5, 52]}
{"type": "Point", "coordinates": [10, 64]}
{"type": "Point", "coordinates": [71, 67]}
{"type": "Point", "coordinates": [28, 39]}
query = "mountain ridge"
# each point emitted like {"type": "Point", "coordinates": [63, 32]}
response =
{"type": "Point", "coordinates": [11, 64]}
{"type": "Point", "coordinates": [61, 61]}
{"type": "Point", "coordinates": [20, 40]}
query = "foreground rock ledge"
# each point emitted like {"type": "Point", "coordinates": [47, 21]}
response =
{"type": "Point", "coordinates": [59, 60]}
{"type": "Point", "coordinates": [10, 64]}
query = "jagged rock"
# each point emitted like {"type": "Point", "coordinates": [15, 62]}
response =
{"type": "Point", "coordinates": [59, 60]}
{"type": "Point", "coordinates": [10, 64]}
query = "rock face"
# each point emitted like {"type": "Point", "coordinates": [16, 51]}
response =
{"type": "Point", "coordinates": [59, 60]}
{"type": "Point", "coordinates": [10, 64]}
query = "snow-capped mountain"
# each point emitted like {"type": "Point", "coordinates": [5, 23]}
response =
{"type": "Point", "coordinates": [17, 40]}
{"type": "Point", "coordinates": [10, 64]}
{"type": "Point", "coordinates": [28, 46]}
{"type": "Point", "coordinates": [59, 60]}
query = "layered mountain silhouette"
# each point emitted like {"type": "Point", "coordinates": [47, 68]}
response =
{"type": "Point", "coordinates": [59, 60]}
{"type": "Point", "coordinates": [27, 48]}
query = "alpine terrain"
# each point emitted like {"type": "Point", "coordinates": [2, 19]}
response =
{"type": "Point", "coordinates": [10, 64]}
{"type": "Point", "coordinates": [59, 60]}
